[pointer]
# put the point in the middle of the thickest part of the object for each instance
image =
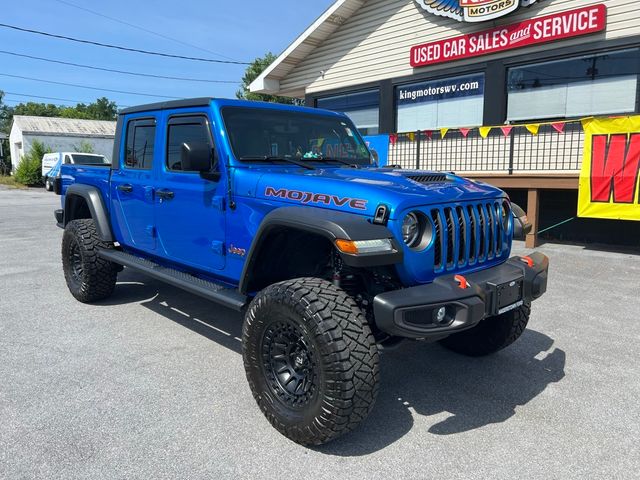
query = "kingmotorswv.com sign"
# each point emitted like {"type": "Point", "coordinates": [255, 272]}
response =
{"type": "Point", "coordinates": [451, 102]}
{"type": "Point", "coordinates": [441, 89]}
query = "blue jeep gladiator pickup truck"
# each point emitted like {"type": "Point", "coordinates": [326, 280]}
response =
{"type": "Point", "coordinates": [279, 213]}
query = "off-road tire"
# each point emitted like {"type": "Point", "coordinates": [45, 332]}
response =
{"type": "Point", "coordinates": [490, 335]}
{"type": "Point", "coordinates": [342, 355]}
{"type": "Point", "coordinates": [89, 277]}
{"type": "Point", "coordinates": [47, 185]}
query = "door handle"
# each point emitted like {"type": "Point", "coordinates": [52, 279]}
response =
{"type": "Point", "coordinates": [125, 188]}
{"type": "Point", "coordinates": [165, 194]}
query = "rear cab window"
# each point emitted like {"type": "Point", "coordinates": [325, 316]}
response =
{"type": "Point", "coordinates": [140, 144]}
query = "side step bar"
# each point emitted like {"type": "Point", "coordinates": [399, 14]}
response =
{"type": "Point", "coordinates": [229, 297]}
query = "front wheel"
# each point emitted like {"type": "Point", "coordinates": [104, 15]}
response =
{"type": "Point", "coordinates": [310, 359]}
{"type": "Point", "coordinates": [490, 335]}
{"type": "Point", "coordinates": [48, 185]}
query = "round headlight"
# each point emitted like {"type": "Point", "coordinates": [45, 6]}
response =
{"type": "Point", "coordinates": [411, 230]}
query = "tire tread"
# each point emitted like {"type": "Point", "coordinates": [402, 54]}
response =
{"type": "Point", "coordinates": [100, 274]}
{"type": "Point", "coordinates": [351, 358]}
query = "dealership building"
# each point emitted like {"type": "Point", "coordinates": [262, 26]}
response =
{"type": "Point", "coordinates": [491, 89]}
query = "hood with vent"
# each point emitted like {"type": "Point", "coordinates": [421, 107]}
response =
{"type": "Point", "coordinates": [359, 190]}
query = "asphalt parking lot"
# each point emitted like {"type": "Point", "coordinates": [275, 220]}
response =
{"type": "Point", "coordinates": [150, 384]}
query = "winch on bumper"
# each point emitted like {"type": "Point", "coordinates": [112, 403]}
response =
{"type": "Point", "coordinates": [454, 303]}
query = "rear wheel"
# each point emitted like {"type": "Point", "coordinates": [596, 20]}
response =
{"type": "Point", "coordinates": [490, 335]}
{"type": "Point", "coordinates": [310, 359]}
{"type": "Point", "coordinates": [89, 277]}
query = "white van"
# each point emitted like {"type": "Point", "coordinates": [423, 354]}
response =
{"type": "Point", "coordinates": [50, 160]}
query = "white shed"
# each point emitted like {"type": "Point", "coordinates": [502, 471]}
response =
{"type": "Point", "coordinates": [60, 135]}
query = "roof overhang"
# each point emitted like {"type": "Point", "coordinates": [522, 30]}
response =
{"type": "Point", "coordinates": [269, 80]}
{"type": "Point", "coordinates": [66, 134]}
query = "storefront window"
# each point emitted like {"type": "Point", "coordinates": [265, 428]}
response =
{"type": "Point", "coordinates": [451, 102]}
{"type": "Point", "coordinates": [589, 85]}
{"type": "Point", "coordinates": [362, 107]}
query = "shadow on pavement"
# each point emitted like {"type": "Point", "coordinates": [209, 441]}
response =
{"type": "Point", "coordinates": [425, 379]}
{"type": "Point", "coordinates": [417, 378]}
{"type": "Point", "coordinates": [212, 321]}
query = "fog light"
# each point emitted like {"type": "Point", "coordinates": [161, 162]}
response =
{"type": "Point", "coordinates": [440, 315]}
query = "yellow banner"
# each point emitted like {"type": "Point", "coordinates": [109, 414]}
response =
{"type": "Point", "coordinates": [609, 181]}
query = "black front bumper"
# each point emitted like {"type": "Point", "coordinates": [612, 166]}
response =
{"type": "Point", "coordinates": [412, 312]}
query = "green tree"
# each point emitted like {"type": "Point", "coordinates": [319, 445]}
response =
{"type": "Point", "coordinates": [252, 72]}
{"type": "Point", "coordinates": [29, 170]}
{"type": "Point", "coordinates": [37, 109]}
{"type": "Point", "coordinates": [6, 115]}
{"type": "Point", "coordinates": [5, 126]}
{"type": "Point", "coordinates": [101, 109]}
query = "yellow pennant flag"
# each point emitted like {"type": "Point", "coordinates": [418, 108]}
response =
{"type": "Point", "coordinates": [534, 128]}
{"type": "Point", "coordinates": [412, 136]}
{"type": "Point", "coordinates": [485, 131]}
{"type": "Point", "coordinates": [443, 132]}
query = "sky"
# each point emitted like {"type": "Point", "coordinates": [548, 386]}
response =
{"type": "Point", "coordinates": [240, 30]}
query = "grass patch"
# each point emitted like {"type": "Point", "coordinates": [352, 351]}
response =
{"type": "Point", "coordinates": [10, 181]}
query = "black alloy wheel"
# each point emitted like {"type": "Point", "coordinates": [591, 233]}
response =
{"type": "Point", "coordinates": [289, 363]}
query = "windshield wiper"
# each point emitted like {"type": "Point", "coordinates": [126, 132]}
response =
{"type": "Point", "coordinates": [339, 160]}
{"type": "Point", "coordinates": [269, 158]}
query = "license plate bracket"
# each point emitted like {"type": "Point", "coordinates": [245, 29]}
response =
{"type": "Point", "coordinates": [508, 295]}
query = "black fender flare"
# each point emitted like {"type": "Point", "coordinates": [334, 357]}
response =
{"type": "Point", "coordinates": [96, 205]}
{"type": "Point", "coordinates": [330, 224]}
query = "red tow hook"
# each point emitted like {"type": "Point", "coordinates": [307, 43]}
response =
{"type": "Point", "coordinates": [462, 282]}
{"type": "Point", "coordinates": [528, 261]}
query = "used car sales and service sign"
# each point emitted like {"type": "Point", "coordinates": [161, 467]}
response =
{"type": "Point", "coordinates": [559, 26]}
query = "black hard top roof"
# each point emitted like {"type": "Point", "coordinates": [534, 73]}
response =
{"type": "Point", "coordinates": [187, 102]}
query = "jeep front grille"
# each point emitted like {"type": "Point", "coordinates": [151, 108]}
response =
{"type": "Point", "coordinates": [467, 235]}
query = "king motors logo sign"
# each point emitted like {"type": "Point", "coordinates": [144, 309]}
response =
{"type": "Point", "coordinates": [473, 10]}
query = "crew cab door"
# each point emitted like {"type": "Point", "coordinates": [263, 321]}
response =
{"type": "Point", "coordinates": [190, 208]}
{"type": "Point", "coordinates": [132, 185]}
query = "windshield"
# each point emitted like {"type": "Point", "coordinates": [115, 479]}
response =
{"type": "Point", "coordinates": [273, 134]}
{"type": "Point", "coordinates": [89, 159]}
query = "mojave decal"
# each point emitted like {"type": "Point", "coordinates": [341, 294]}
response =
{"type": "Point", "coordinates": [318, 198]}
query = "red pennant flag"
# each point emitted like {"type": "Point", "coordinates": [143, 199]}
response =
{"type": "Point", "coordinates": [464, 131]}
{"type": "Point", "coordinates": [393, 138]}
{"type": "Point", "coordinates": [506, 131]}
{"type": "Point", "coordinates": [429, 134]}
{"type": "Point", "coordinates": [559, 127]}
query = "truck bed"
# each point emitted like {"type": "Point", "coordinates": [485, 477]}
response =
{"type": "Point", "coordinates": [94, 175]}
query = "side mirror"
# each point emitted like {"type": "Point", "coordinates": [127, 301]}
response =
{"type": "Point", "coordinates": [521, 225]}
{"type": "Point", "coordinates": [57, 185]}
{"type": "Point", "coordinates": [196, 157]}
